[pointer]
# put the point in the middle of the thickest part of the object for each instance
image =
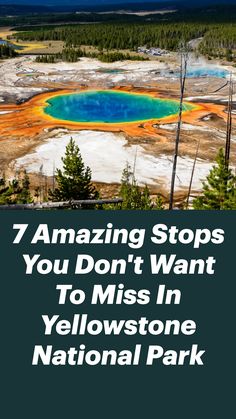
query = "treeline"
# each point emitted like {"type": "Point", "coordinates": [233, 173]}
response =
{"type": "Point", "coordinates": [118, 37]}
{"type": "Point", "coordinates": [74, 54]}
{"type": "Point", "coordinates": [46, 59]}
{"type": "Point", "coordinates": [217, 41]}
{"type": "Point", "coordinates": [6, 51]}
{"type": "Point", "coordinates": [63, 18]}
{"type": "Point", "coordinates": [111, 57]}
{"type": "Point", "coordinates": [71, 55]}
{"type": "Point", "coordinates": [220, 42]}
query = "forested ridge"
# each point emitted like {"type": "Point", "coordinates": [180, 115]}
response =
{"type": "Point", "coordinates": [120, 36]}
{"type": "Point", "coordinates": [218, 39]}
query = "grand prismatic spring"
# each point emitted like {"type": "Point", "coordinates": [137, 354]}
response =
{"type": "Point", "coordinates": [111, 107]}
{"type": "Point", "coordinates": [122, 109]}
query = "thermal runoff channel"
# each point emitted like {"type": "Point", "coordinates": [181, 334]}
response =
{"type": "Point", "coordinates": [111, 107]}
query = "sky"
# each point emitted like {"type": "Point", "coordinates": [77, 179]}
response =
{"type": "Point", "coordinates": [82, 2]}
{"type": "Point", "coordinates": [100, 2]}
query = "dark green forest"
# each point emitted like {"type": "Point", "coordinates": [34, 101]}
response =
{"type": "Point", "coordinates": [217, 39]}
{"type": "Point", "coordinates": [120, 36]}
{"type": "Point", "coordinates": [6, 51]}
{"type": "Point", "coordinates": [74, 54]}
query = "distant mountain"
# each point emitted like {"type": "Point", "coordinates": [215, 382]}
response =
{"type": "Point", "coordinates": [133, 3]}
{"type": "Point", "coordinates": [7, 7]}
{"type": "Point", "coordinates": [17, 10]}
{"type": "Point", "coordinates": [83, 3]}
{"type": "Point", "coordinates": [20, 7]}
{"type": "Point", "coordinates": [112, 3]}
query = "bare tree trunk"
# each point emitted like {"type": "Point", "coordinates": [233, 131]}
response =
{"type": "Point", "coordinates": [229, 123]}
{"type": "Point", "coordinates": [134, 167]}
{"type": "Point", "coordinates": [183, 74]}
{"type": "Point", "coordinates": [76, 204]}
{"type": "Point", "coordinates": [41, 184]}
{"type": "Point", "coordinates": [192, 174]}
{"type": "Point", "coordinates": [46, 188]}
{"type": "Point", "coordinates": [53, 177]}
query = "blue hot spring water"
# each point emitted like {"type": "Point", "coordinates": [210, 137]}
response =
{"type": "Point", "coordinates": [110, 107]}
{"type": "Point", "coordinates": [207, 72]}
{"type": "Point", "coordinates": [16, 47]}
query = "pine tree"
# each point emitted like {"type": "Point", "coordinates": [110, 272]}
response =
{"type": "Point", "coordinates": [133, 197]}
{"type": "Point", "coordinates": [9, 191]}
{"type": "Point", "coordinates": [219, 190]}
{"type": "Point", "coordinates": [3, 189]}
{"type": "Point", "coordinates": [146, 202]}
{"type": "Point", "coordinates": [24, 196]}
{"type": "Point", "coordinates": [74, 181]}
{"type": "Point", "coordinates": [16, 191]}
{"type": "Point", "coordinates": [159, 205]}
{"type": "Point", "coordinates": [230, 204]}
